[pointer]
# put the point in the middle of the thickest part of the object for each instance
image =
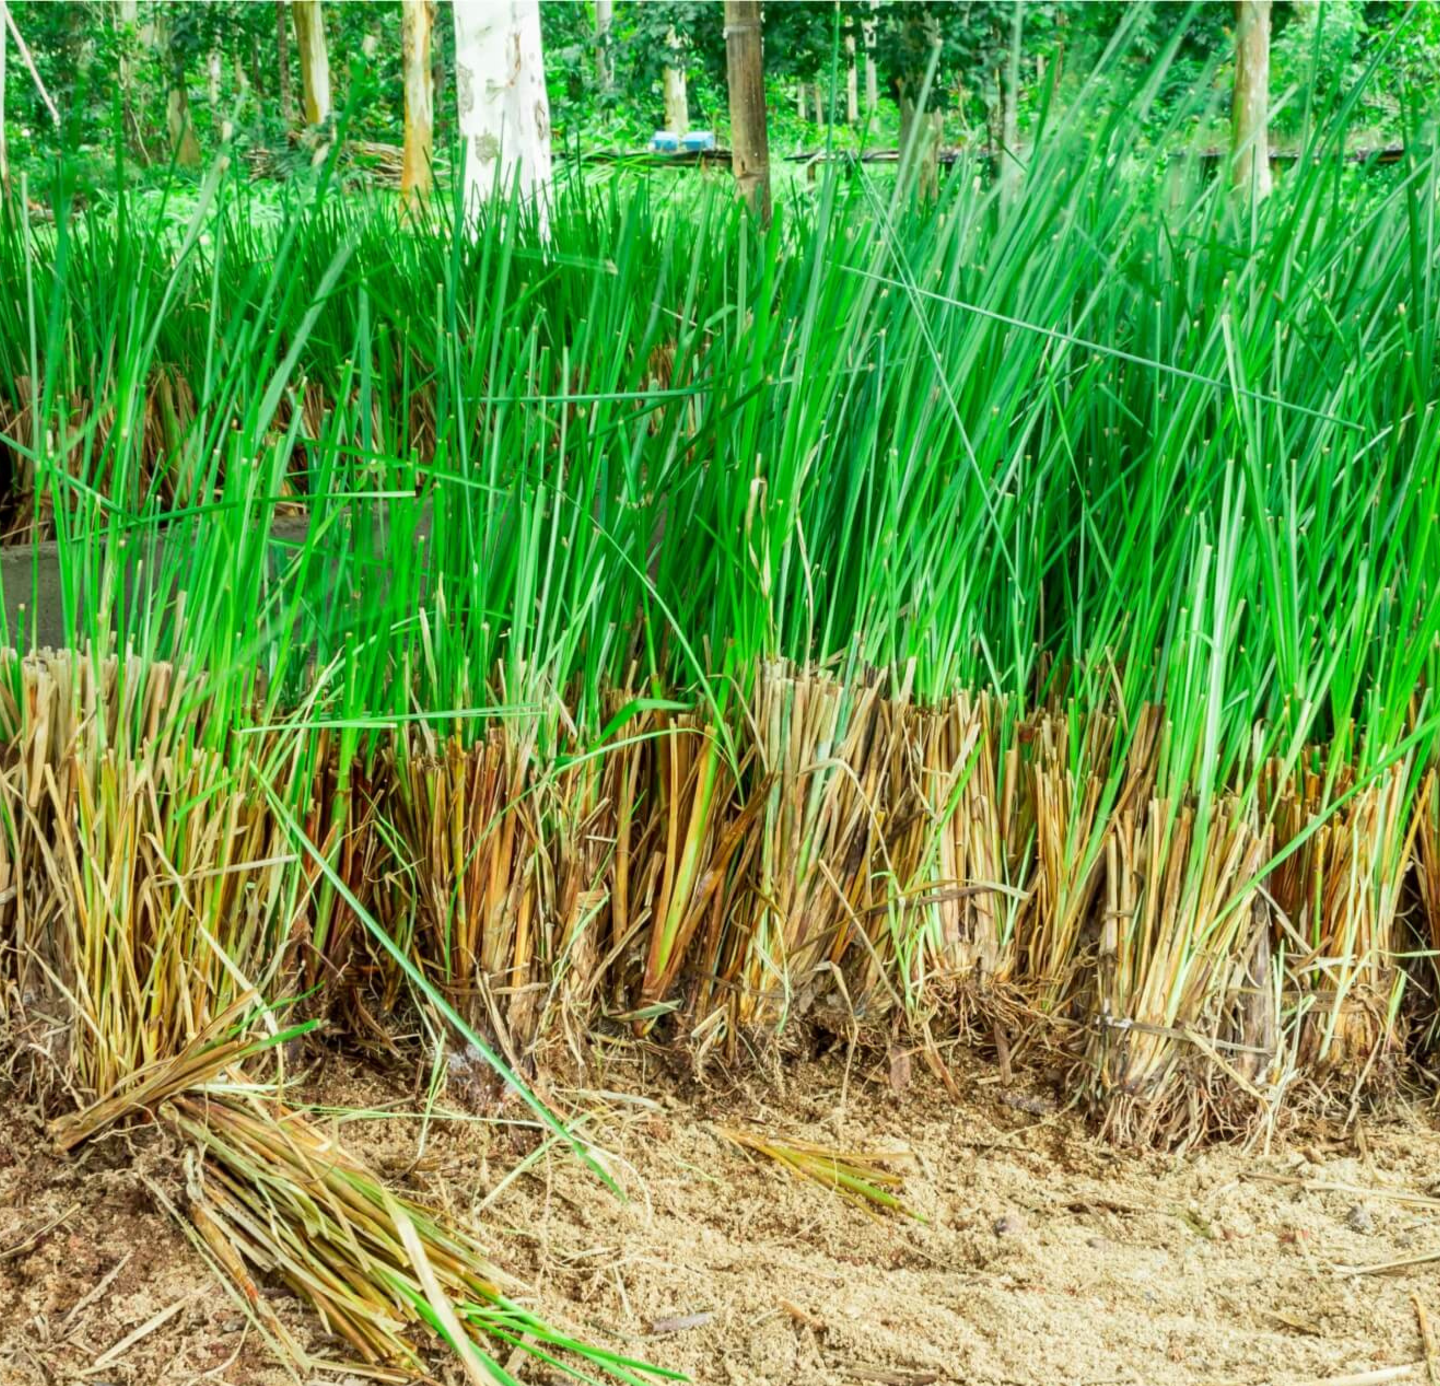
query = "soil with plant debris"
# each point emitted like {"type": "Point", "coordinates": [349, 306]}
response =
{"type": "Point", "coordinates": [1044, 1256]}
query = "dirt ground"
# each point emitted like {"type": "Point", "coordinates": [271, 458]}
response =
{"type": "Point", "coordinates": [1045, 1257]}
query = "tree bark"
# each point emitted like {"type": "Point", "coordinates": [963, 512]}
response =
{"type": "Point", "coordinates": [1249, 112]}
{"type": "Point", "coordinates": [677, 99]}
{"type": "Point", "coordinates": [132, 38]}
{"type": "Point", "coordinates": [184, 147]}
{"type": "Point", "coordinates": [4, 149]}
{"type": "Point", "coordinates": [749, 127]}
{"type": "Point", "coordinates": [314, 60]}
{"type": "Point", "coordinates": [604, 14]}
{"type": "Point", "coordinates": [852, 83]}
{"type": "Point", "coordinates": [183, 144]}
{"type": "Point", "coordinates": [501, 101]}
{"type": "Point", "coordinates": [128, 14]}
{"type": "Point", "coordinates": [415, 172]}
{"type": "Point", "coordinates": [919, 129]}
{"type": "Point", "coordinates": [872, 79]}
{"type": "Point", "coordinates": [1008, 154]}
{"type": "Point", "coordinates": [925, 128]}
{"type": "Point", "coordinates": [282, 48]}
{"type": "Point", "coordinates": [438, 89]}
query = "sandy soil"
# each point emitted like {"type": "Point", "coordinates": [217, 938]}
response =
{"type": "Point", "coordinates": [1045, 1256]}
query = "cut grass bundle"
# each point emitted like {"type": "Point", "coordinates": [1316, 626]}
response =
{"type": "Point", "coordinates": [1339, 908]}
{"type": "Point", "coordinates": [272, 1194]}
{"type": "Point", "coordinates": [468, 820]}
{"type": "Point", "coordinates": [863, 1177]}
{"type": "Point", "coordinates": [276, 1194]}
{"type": "Point", "coordinates": [823, 748]}
{"type": "Point", "coordinates": [1172, 995]}
{"type": "Point", "coordinates": [982, 844]}
{"type": "Point", "coordinates": [149, 888]}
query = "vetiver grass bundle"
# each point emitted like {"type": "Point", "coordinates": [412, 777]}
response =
{"type": "Point", "coordinates": [1003, 619]}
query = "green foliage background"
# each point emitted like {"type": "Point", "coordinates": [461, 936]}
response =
{"type": "Point", "coordinates": [1321, 49]}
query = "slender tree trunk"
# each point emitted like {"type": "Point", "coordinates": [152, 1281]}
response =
{"type": "Point", "coordinates": [132, 38]}
{"type": "Point", "coordinates": [1006, 139]}
{"type": "Point", "coordinates": [819, 97]}
{"type": "Point", "coordinates": [4, 149]}
{"type": "Point", "coordinates": [677, 100]}
{"type": "Point", "coordinates": [415, 174]}
{"type": "Point", "coordinates": [1008, 154]}
{"type": "Point", "coordinates": [437, 74]}
{"type": "Point", "coordinates": [1249, 113]}
{"type": "Point", "coordinates": [800, 100]}
{"type": "Point", "coordinates": [184, 147]}
{"type": "Point", "coordinates": [500, 97]}
{"type": "Point", "coordinates": [314, 59]}
{"type": "Point", "coordinates": [282, 49]}
{"type": "Point", "coordinates": [128, 14]}
{"type": "Point", "coordinates": [604, 14]}
{"type": "Point", "coordinates": [926, 129]}
{"type": "Point", "coordinates": [183, 144]}
{"type": "Point", "coordinates": [212, 77]}
{"type": "Point", "coordinates": [852, 83]}
{"type": "Point", "coordinates": [23, 49]}
{"type": "Point", "coordinates": [919, 129]}
{"type": "Point", "coordinates": [749, 127]}
{"type": "Point", "coordinates": [872, 79]}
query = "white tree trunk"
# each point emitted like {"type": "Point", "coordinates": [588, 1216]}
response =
{"type": "Point", "coordinates": [183, 144]}
{"type": "Point", "coordinates": [500, 94]}
{"type": "Point", "coordinates": [604, 16]}
{"type": "Point", "coordinates": [184, 147]}
{"type": "Point", "coordinates": [872, 79]}
{"type": "Point", "coordinates": [852, 83]}
{"type": "Point", "coordinates": [1249, 113]}
{"type": "Point", "coordinates": [1008, 156]}
{"type": "Point", "coordinates": [314, 59]}
{"type": "Point", "coordinates": [4, 151]}
{"type": "Point", "coordinates": [128, 13]}
{"type": "Point", "coordinates": [677, 98]}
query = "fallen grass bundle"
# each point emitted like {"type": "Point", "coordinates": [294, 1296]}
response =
{"type": "Point", "coordinates": [988, 619]}
{"type": "Point", "coordinates": [271, 1193]}
{"type": "Point", "coordinates": [276, 1195]}
{"type": "Point", "coordinates": [864, 1177]}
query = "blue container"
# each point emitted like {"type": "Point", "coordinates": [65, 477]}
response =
{"type": "Point", "coordinates": [665, 142]}
{"type": "Point", "coordinates": [698, 140]}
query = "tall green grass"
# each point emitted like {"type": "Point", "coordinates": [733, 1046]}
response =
{"type": "Point", "coordinates": [1011, 617]}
